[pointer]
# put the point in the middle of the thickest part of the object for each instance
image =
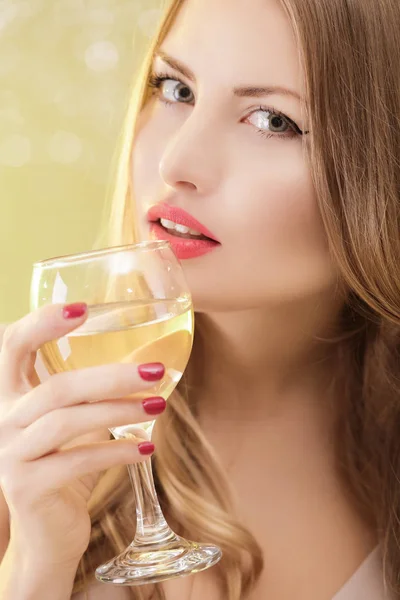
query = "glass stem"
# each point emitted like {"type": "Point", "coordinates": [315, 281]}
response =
{"type": "Point", "coordinates": [151, 527]}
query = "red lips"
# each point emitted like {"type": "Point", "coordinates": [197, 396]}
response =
{"type": "Point", "coordinates": [184, 248]}
{"type": "Point", "coordinates": [179, 216]}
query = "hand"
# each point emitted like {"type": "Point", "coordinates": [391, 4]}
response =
{"type": "Point", "coordinates": [46, 473]}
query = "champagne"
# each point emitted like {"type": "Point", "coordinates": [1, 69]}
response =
{"type": "Point", "coordinates": [129, 332]}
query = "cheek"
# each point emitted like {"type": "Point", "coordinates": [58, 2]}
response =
{"type": "Point", "coordinates": [146, 155]}
{"type": "Point", "coordinates": [145, 158]}
{"type": "Point", "coordinates": [274, 238]}
{"type": "Point", "coordinates": [275, 201]}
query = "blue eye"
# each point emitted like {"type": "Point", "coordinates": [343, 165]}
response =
{"type": "Point", "coordinates": [171, 90]}
{"type": "Point", "coordinates": [268, 121]}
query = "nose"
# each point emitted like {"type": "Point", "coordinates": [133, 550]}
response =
{"type": "Point", "coordinates": [191, 160]}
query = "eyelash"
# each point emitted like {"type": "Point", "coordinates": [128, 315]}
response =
{"type": "Point", "coordinates": [156, 80]}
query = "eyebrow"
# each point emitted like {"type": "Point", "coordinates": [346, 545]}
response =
{"type": "Point", "coordinates": [241, 92]}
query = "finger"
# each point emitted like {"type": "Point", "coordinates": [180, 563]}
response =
{"type": "Point", "coordinates": [58, 427]}
{"type": "Point", "coordinates": [27, 335]}
{"type": "Point", "coordinates": [106, 382]}
{"type": "Point", "coordinates": [59, 468]}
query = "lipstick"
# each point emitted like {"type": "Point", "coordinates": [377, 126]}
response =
{"type": "Point", "coordinates": [190, 240]}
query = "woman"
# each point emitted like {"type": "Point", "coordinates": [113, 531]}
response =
{"type": "Point", "coordinates": [274, 125]}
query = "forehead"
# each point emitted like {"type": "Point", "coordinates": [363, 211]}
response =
{"type": "Point", "coordinates": [236, 41]}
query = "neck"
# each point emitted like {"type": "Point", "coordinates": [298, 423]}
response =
{"type": "Point", "coordinates": [258, 360]}
{"type": "Point", "coordinates": [265, 387]}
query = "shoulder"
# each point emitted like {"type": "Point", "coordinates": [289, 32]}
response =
{"type": "Point", "coordinates": [368, 581]}
{"type": "Point", "coordinates": [2, 330]}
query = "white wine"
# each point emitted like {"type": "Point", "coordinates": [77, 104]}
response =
{"type": "Point", "coordinates": [129, 332]}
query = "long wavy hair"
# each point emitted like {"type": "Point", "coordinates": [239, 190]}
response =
{"type": "Point", "coordinates": [350, 53]}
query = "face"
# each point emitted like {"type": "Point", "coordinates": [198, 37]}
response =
{"type": "Point", "coordinates": [224, 139]}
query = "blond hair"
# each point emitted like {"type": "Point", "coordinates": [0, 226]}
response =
{"type": "Point", "coordinates": [351, 58]}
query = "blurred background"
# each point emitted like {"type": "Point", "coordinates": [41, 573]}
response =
{"type": "Point", "coordinates": [66, 67]}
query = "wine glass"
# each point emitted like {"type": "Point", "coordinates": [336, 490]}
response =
{"type": "Point", "coordinates": [139, 310]}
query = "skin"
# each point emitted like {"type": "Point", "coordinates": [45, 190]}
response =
{"type": "Point", "coordinates": [268, 294]}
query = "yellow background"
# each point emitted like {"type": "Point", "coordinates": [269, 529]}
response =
{"type": "Point", "coordinates": [65, 70]}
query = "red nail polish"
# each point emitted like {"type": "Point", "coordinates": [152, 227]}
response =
{"type": "Point", "coordinates": [151, 371]}
{"type": "Point", "coordinates": [146, 448]}
{"type": "Point", "coordinates": [154, 406]}
{"type": "Point", "coordinates": [74, 311]}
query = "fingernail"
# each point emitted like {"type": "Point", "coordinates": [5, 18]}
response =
{"type": "Point", "coordinates": [154, 406]}
{"type": "Point", "coordinates": [152, 371]}
{"type": "Point", "coordinates": [146, 448]}
{"type": "Point", "coordinates": [74, 311]}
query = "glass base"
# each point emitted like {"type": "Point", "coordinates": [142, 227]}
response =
{"type": "Point", "coordinates": [152, 563]}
